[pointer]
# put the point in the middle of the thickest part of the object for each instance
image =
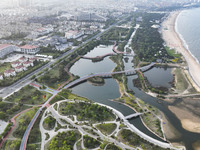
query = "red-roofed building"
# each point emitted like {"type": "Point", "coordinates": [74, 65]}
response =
{"type": "Point", "coordinates": [9, 73]}
{"type": "Point", "coordinates": [28, 63]}
{"type": "Point", "coordinates": [20, 68]}
{"type": "Point", "coordinates": [23, 59]}
{"type": "Point", "coordinates": [33, 59]}
{"type": "Point", "coordinates": [6, 49]}
{"type": "Point", "coordinates": [15, 64]}
{"type": "Point", "coordinates": [29, 49]}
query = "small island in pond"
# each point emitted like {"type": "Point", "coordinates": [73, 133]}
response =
{"type": "Point", "coordinates": [97, 81]}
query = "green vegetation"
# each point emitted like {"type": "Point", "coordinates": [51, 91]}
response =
{"type": "Point", "coordinates": [113, 147]}
{"type": "Point", "coordinates": [23, 122]}
{"type": "Point", "coordinates": [130, 138]}
{"type": "Point", "coordinates": [47, 136]}
{"type": "Point", "coordinates": [28, 95]}
{"type": "Point", "coordinates": [107, 128]}
{"type": "Point", "coordinates": [4, 66]}
{"type": "Point", "coordinates": [181, 81]}
{"type": "Point", "coordinates": [153, 123]}
{"type": "Point", "coordinates": [10, 80]}
{"type": "Point", "coordinates": [35, 134]}
{"type": "Point", "coordinates": [97, 80]}
{"type": "Point", "coordinates": [6, 130]}
{"type": "Point", "coordinates": [8, 110]}
{"type": "Point", "coordinates": [66, 94]}
{"type": "Point", "coordinates": [91, 131]}
{"type": "Point", "coordinates": [59, 126]}
{"type": "Point", "coordinates": [90, 142]}
{"type": "Point", "coordinates": [64, 140]}
{"type": "Point", "coordinates": [147, 42]}
{"type": "Point", "coordinates": [12, 144]}
{"type": "Point", "coordinates": [87, 111]}
{"type": "Point", "coordinates": [55, 106]}
{"type": "Point", "coordinates": [116, 34]}
{"type": "Point", "coordinates": [49, 123]}
{"type": "Point", "coordinates": [50, 50]}
{"type": "Point", "coordinates": [54, 77]}
{"type": "Point", "coordinates": [176, 56]}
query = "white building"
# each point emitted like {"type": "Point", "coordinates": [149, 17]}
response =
{"type": "Point", "coordinates": [71, 34]}
{"type": "Point", "coordinates": [19, 68]}
{"type": "Point", "coordinates": [29, 49]}
{"type": "Point", "coordinates": [6, 49]}
{"type": "Point", "coordinates": [9, 73]}
{"type": "Point", "coordinates": [15, 64]}
{"type": "Point", "coordinates": [1, 77]}
{"type": "Point", "coordinates": [42, 31]}
{"type": "Point", "coordinates": [28, 63]}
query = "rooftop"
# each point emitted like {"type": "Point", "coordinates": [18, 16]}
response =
{"type": "Point", "coordinates": [2, 46]}
{"type": "Point", "coordinates": [28, 47]}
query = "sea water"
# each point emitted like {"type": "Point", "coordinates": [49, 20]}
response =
{"type": "Point", "coordinates": [188, 28]}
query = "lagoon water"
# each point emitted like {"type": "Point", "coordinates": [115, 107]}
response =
{"type": "Point", "coordinates": [188, 26]}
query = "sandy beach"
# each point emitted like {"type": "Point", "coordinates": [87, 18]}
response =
{"type": "Point", "coordinates": [173, 40]}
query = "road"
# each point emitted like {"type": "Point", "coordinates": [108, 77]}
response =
{"type": "Point", "coordinates": [6, 91]}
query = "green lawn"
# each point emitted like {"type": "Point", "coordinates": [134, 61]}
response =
{"type": "Point", "coordinates": [181, 83]}
{"type": "Point", "coordinates": [172, 52]}
{"type": "Point", "coordinates": [4, 67]}
{"type": "Point", "coordinates": [28, 95]}
{"type": "Point", "coordinates": [107, 129]}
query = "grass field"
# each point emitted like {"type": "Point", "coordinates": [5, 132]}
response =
{"type": "Point", "coordinates": [28, 95]}
{"type": "Point", "coordinates": [4, 67]}
{"type": "Point", "coordinates": [107, 129]}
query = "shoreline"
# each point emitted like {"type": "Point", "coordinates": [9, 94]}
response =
{"type": "Point", "coordinates": [173, 40]}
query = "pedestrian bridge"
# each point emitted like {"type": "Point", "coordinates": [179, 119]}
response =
{"type": "Point", "coordinates": [132, 116]}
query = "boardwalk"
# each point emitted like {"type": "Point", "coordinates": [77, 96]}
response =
{"type": "Point", "coordinates": [99, 57]}
{"type": "Point", "coordinates": [132, 116]}
{"type": "Point", "coordinates": [109, 74]}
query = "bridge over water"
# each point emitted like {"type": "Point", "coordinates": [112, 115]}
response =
{"type": "Point", "coordinates": [109, 74]}
{"type": "Point", "coordinates": [132, 116]}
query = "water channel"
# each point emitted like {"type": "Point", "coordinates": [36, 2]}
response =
{"type": "Point", "coordinates": [110, 90]}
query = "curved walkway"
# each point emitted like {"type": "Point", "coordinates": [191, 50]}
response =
{"type": "Point", "coordinates": [109, 74]}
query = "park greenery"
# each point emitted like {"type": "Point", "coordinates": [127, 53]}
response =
{"type": "Point", "coordinates": [28, 95]}
{"type": "Point", "coordinates": [90, 142]}
{"type": "Point", "coordinates": [115, 34]}
{"type": "Point", "coordinates": [8, 110]}
{"type": "Point", "coordinates": [23, 122]}
{"type": "Point", "coordinates": [107, 128]}
{"type": "Point", "coordinates": [113, 147]}
{"type": "Point", "coordinates": [35, 135]}
{"type": "Point", "coordinates": [67, 94]}
{"type": "Point", "coordinates": [147, 42]}
{"type": "Point", "coordinates": [49, 123]}
{"type": "Point", "coordinates": [130, 138]}
{"type": "Point", "coordinates": [64, 140]}
{"type": "Point", "coordinates": [86, 111]}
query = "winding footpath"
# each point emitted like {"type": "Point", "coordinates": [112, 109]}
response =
{"type": "Point", "coordinates": [55, 92]}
